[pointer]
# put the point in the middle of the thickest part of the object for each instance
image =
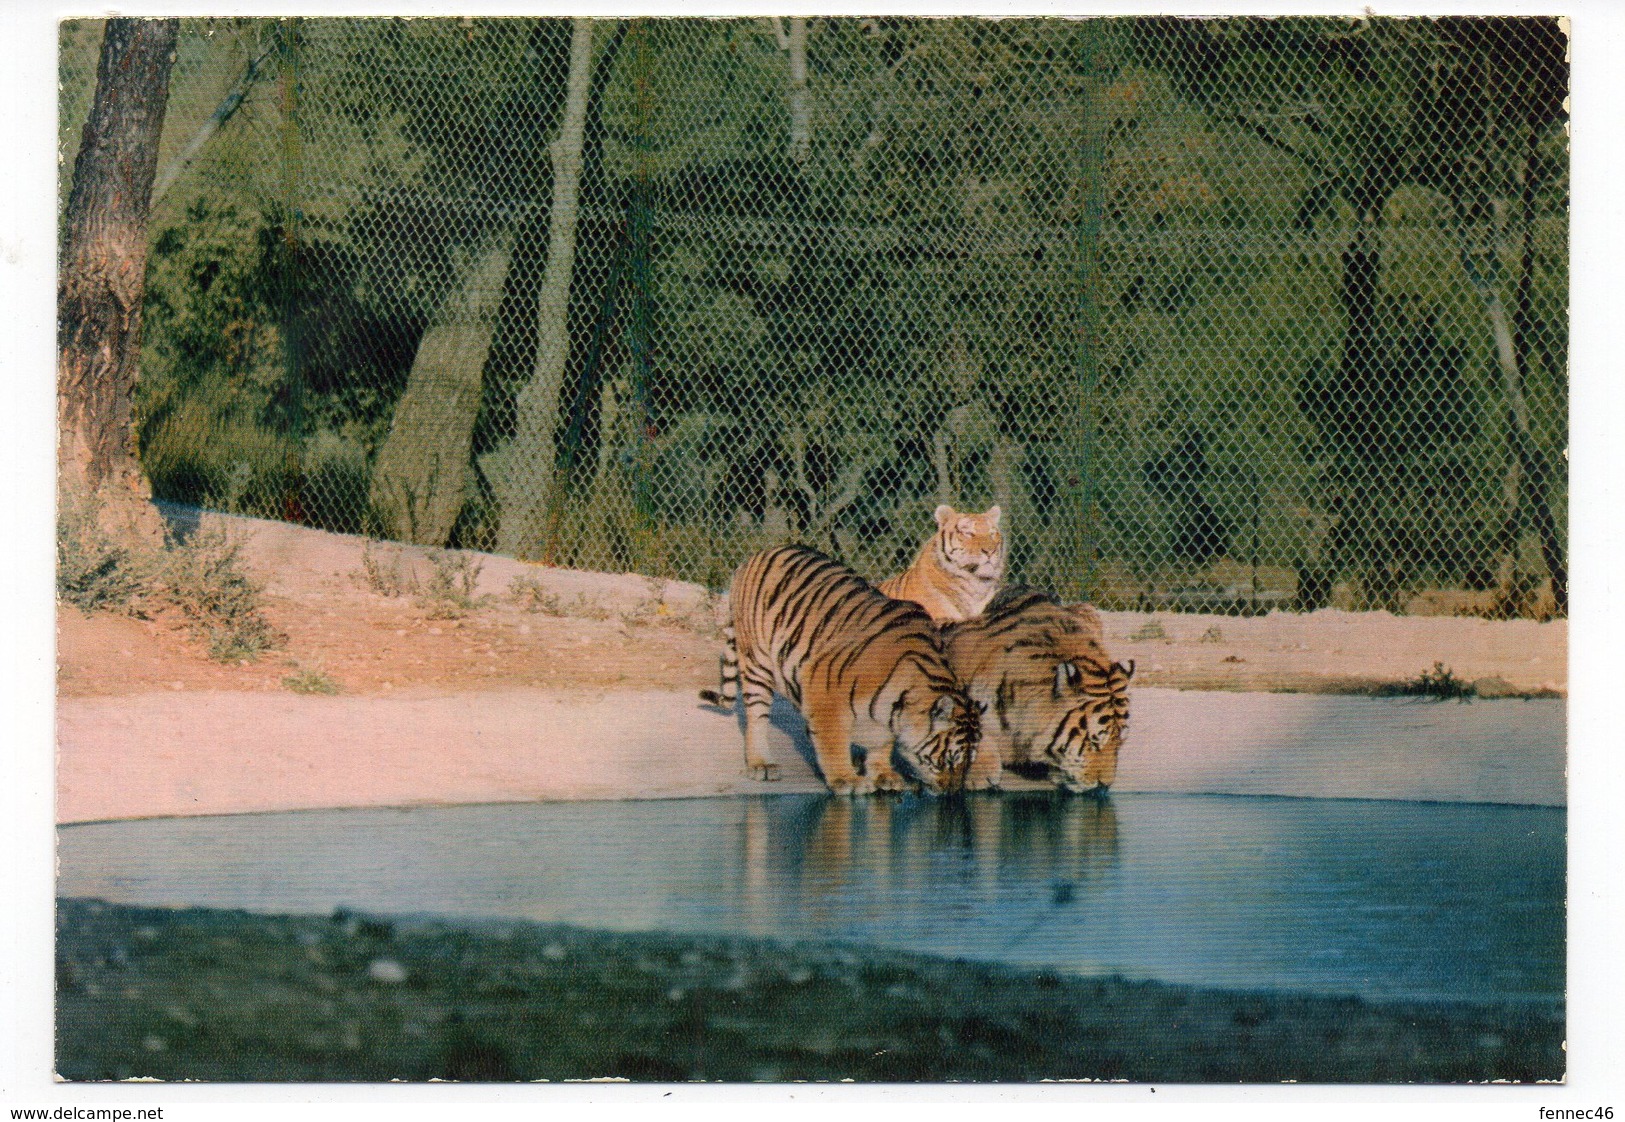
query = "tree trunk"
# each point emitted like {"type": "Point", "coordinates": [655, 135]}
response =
{"type": "Point", "coordinates": [1533, 466]}
{"type": "Point", "coordinates": [103, 275]}
{"type": "Point", "coordinates": [800, 115]}
{"type": "Point", "coordinates": [1519, 436]}
{"type": "Point", "coordinates": [1352, 502]}
{"type": "Point", "coordinates": [522, 472]}
{"type": "Point", "coordinates": [421, 477]}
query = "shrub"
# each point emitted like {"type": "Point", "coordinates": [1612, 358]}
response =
{"type": "Point", "coordinates": [1439, 683]}
{"type": "Point", "coordinates": [94, 572]}
{"type": "Point", "coordinates": [1151, 630]}
{"type": "Point", "coordinates": [204, 579]}
{"type": "Point", "coordinates": [382, 566]}
{"type": "Point", "coordinates": [310, 681]}
{"type": "Point", "coordinates": [453, 580]}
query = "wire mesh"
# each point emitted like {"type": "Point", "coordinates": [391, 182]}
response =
{"type": "Point", "coordinates": [1226, 314]}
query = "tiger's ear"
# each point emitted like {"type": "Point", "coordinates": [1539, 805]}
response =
{"type": "Point", "coordinates": [1126, 667]}
{"type": "Point", "coordinates": [1067, 676]}
{"type": "Point", "coordinates": [942, 712]}
{"type": "Point", "coordinates": [944, 514]}
{"type": "Point", "coordinates": [992, 516]}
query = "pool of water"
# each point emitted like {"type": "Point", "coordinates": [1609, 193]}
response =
{"type": "Point", "coordinates": [1381, 899]}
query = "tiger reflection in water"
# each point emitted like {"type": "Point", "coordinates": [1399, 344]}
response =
{"type": "Point", "coordinates": [828, 848]}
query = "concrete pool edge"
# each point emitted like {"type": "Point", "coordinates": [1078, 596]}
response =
{"type": "Point", "coordinates": [180, 754]}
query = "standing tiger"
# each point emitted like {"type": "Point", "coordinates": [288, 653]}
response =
{"type": "Point", "coordinates": [957, 571]}
{"type": "Point", "coordinates": [1053, 697]}
{"type": "Point", "coordinates": [862, 668]}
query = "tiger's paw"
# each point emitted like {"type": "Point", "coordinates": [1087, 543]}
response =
{"type": "Point", "coordinates": [982, 782]}
{"type": "Point", "coordinates": [890, 780]}
{"type": "Point", "coordinates": [764, 771]}
{"type": "Point", "coordinates": [852, 785]}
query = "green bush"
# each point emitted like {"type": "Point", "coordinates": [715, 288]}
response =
{"type": "Point", "coordinates": [204, 579]}
{"type": "Point", "coordinates": [93, 571]}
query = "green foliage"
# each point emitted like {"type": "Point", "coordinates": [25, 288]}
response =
{"type": "Point", "coordinates": [381, 566]}
{"type": "Point", "coordinates": [95, 572]}
{"type": "Point", "coordinates": [309, 680]}
{"type": "Point", "coordinates": [452, 589]}
{"type": "Point", "coordinates": [534, 596]}
{"type": "Point", "coordinates": [1268, 356]}
{"type": "Point", "coordinates": [1438, 683]}
{"type": "Point", "coordinates": [204, 578]}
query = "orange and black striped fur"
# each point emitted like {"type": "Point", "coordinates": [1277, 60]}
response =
{"type": "Point", "coordinates": [958, 569]}
{"type": "Point", "coordinates": [863, 669]}
{"type": "Point", "coordinates": [1054, 699]}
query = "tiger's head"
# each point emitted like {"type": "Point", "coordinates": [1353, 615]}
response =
{"type": "Point", "coordinates": [970, 544]}
{"type": "Point", "coordinates": [937, 736]}
{"type": "Point", "coordinates": [1087, 711]}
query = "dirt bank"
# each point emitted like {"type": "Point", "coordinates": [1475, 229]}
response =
{"type": "Point", "coordinates": [216, 995]}
{"type": "Point", "coordinates": [329, 594]}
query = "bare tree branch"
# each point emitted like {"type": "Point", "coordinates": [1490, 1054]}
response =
{"type": "Point", "coordinates": [223, 113]}
{"type": "Point", "coordinates": [1262, 132]}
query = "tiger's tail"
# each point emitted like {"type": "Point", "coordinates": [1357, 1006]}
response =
{"type": "Point", "coordinates": [727, 691]}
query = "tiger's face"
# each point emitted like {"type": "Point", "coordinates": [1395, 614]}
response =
{"type": "Point", "coordinates": [937, 737]}
{"type": "Point", "coordinates": [1089, 707]}
{"type": "Point", "coordinates": [971, 544]}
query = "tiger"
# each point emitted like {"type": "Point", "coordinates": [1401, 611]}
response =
{"type": "Point", "coordinates": [958, 570]}
{"type": "Point", "coordinates": [861, 667]}
{"type": "Point", "coordinates": [1052, 696]}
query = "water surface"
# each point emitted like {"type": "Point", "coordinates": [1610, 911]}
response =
{"type": "Point", "coordinates": [1381, 899]}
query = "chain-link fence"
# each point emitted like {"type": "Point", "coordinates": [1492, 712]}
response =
{"type": "Point", "coordinates": [1225, 314]}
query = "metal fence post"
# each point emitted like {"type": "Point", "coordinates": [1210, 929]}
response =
{"type": "Point", "coordinates": [639, 234]}
{"type": "Point", "coordinates": [292, 360]}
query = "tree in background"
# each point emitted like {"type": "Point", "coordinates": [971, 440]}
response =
{"type": "Point", "coordinates": [828, 272]}
{"type": "Point", "coordinates": [103, 272]}
{"type": "Point", "coordinates": [1370, 110]}
{"type": "Point", "coordinates": [491, 164]}
{"type": "Point", "coordinates": [1497, 103]}
{"type": "Point", "coordinates": [522, 474]}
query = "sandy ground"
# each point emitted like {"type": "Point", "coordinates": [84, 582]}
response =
{"type": "Point", "coordinates": [583, 686]}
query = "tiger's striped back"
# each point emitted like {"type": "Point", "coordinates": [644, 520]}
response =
{"type": "Point", "coordinates": [852, 660]}
{"type": "Point", "coordinates": [1055, 699]}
